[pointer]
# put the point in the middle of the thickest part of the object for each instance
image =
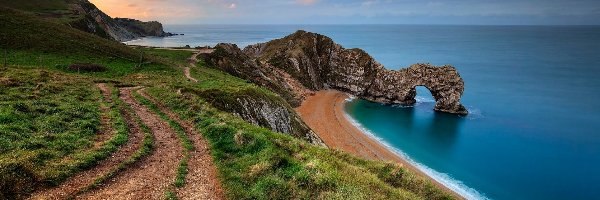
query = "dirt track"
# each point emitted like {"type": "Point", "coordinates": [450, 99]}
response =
{"type": "Point", "coordinates": [151, 176]}
{"type": "Point", "coordinates": [85, 178]}
{"type": "Point", "coordinates": [201, 180]}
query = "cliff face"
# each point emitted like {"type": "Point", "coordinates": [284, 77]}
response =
{"type": "Point", "coordinates": [85, 16]}
{"type": "Point", "coordinates": [303, 62]}
{"type": "Point", "coordinates": [264, 110]}
{"type": "Point", "coordinates": [97, 22]}
{"type": "Point", "coordinates": [120, 29]}
{"type": "Point", "coordinates": [137, 27]}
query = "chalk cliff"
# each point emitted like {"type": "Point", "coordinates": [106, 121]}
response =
{"type": "Point", "coordinates": [303, 62]}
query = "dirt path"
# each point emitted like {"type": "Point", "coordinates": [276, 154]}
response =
{"type": "Point", "coordinates": [192, 63]}
{"type": "Point", "coordinates": [151, 176]}
{"type": "Point", "coordinates": [201, 181]}
{"type": "Point", "coordinates": [84, 179]}
{"type": "Point", "coordinates": [188, 75]}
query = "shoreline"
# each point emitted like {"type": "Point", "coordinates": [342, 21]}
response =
{"type": "Point", "coordinates": [324, 113]}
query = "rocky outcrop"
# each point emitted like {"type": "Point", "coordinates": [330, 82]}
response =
{"type": "Point", "coordinates": [137, 27]}
{"type": "Point", "coordinates": [258, 108]}
{"type": "Point", "coordinates": [121, 29]}
{"type": "Point", "coordinates": [303, 62]}
{"type": "Point", "coordinates": [94, 21]}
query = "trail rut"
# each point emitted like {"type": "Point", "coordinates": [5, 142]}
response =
{"type": "Point", "coordinates": [201, 180]}
{"type": "Point", "coordinates": [151, 176]}
{"type": "Point", "coordinates": [85, 178]}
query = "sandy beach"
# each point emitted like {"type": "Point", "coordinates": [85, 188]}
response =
{"type": "Point", "coordinates": [324, 113]}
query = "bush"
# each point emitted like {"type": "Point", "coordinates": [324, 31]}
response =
{"type": "Point", "coordinates": [87, 67]}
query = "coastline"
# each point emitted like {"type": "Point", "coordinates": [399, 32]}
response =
{"type": "Point", "coordinates": [324, 113]}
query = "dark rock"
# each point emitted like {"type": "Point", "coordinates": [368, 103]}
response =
{"type": "Point", "coordinates": [142, 29]}
{"type": "Point", "coordinates": [261, 109]}
{"type": "Point", "coordinates": [303, 62]}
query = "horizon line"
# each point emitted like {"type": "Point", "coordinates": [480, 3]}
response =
{"type": "Point", "coordinates": [351, 24]}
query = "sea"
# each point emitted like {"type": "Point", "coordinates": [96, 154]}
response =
{"type": "Point", "coordinates": [533, 94]}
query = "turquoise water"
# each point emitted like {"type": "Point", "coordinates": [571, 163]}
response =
{"type": "Point", "coordinates": [533, 93]}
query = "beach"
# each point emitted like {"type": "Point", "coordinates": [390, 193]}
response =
{"type": "Point", "coordinates": [324, 113]}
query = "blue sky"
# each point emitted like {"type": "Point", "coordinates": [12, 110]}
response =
{"type": "Point", "coordinates": [517, 12]}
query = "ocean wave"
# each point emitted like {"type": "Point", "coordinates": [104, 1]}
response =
{"type": "Point", "coordinates": [350, 98]}
{"type": "Point", "coordinates": [421, 99]}
{"type": "Point", "coordinates": [445, 179]}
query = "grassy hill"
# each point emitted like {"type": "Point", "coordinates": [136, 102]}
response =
{"type": "Point", "coordinates": [60, 11]}
{"type": "Point", "coordinates": [34, 41]}
{"type": "Point", "coordinates": [51, 118]}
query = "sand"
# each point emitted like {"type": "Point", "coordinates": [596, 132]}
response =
{"type": "Point", "coordinates": [324, 113]}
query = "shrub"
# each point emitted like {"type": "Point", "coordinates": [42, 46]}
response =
{"type": "Point", "coordinates": [87, 67]}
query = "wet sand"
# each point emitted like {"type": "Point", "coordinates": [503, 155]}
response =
{"type": "Point", "coordinates": [324, 113]}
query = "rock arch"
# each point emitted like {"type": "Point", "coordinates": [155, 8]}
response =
{"type": "Point", "coordinates": [306, 61]}
{"type": "Point", "coordinates": [399, 87]}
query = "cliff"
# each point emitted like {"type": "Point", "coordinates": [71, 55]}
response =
{"type": "Point", "coordinates": [140, 28]}
{"type": "Point", "coordinates": [261, 108]}
{"type": "Point", "coordinates": [85, 16]}
{"type": "Point", "coordinates": [303, 62]}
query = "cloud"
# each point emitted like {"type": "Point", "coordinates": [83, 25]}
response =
{"type": "Point", "coordinates": [232, 6]}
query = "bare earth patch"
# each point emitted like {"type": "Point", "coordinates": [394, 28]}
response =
{"type": "Point", "coordinates": [151, 176]}
{"type": "Point", "coordinates": [201, 181]}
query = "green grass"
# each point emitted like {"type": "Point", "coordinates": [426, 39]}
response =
{"type": "Point", "coordinates": [145, 149]}
{"type": "Point", "coordinates": [256, 163]}
{"type": "Point", "coordinates": [170, 56]}
{"type": "Point", "coordinates": [39, 43]}
{"type": "Point", "coordinates": [53, 61]}
{"type": "Point", "coordinates": [37, 5]}
{"type": "Point", "coordinates": [48, 124]}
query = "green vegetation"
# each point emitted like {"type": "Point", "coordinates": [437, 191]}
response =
{"type": "Point", "coordinates": [48, 126]}
{"type": "Point", "coordinates": [50, 117]}
{"type": "Point", "coordinates": [60, 11]}
{"type": "Point", "coordinates": [255, 163]}
{"type": "Point", "coordinates": [33, 42]}
{"type": "Point", "coordinates": [144, 150]}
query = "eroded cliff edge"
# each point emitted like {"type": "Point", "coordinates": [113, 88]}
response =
{"type": "Point", "coordinates": [85, 16]}
{"type": "Point", "coordinates": [303, 62]}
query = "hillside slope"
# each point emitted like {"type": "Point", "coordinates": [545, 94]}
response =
{"type": "Point", "coordinates": [55, 123]}
{"type": "Point", "coordinates": [85, 16]}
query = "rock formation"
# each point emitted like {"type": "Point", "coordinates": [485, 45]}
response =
{"type": "Point", "coordinates": [120, 29]}
{"type": "Point", "coordinates": [260, 109]}
{"type": "Point", "coordinates": [303, 62]}
{"type": "Point", "coordinates": [85, 16]}
{"type": "Point", "coordinates": [137, 27]}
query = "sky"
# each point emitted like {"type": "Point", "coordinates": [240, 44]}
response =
{"type": "Point", "coordinates": [483, 12]}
